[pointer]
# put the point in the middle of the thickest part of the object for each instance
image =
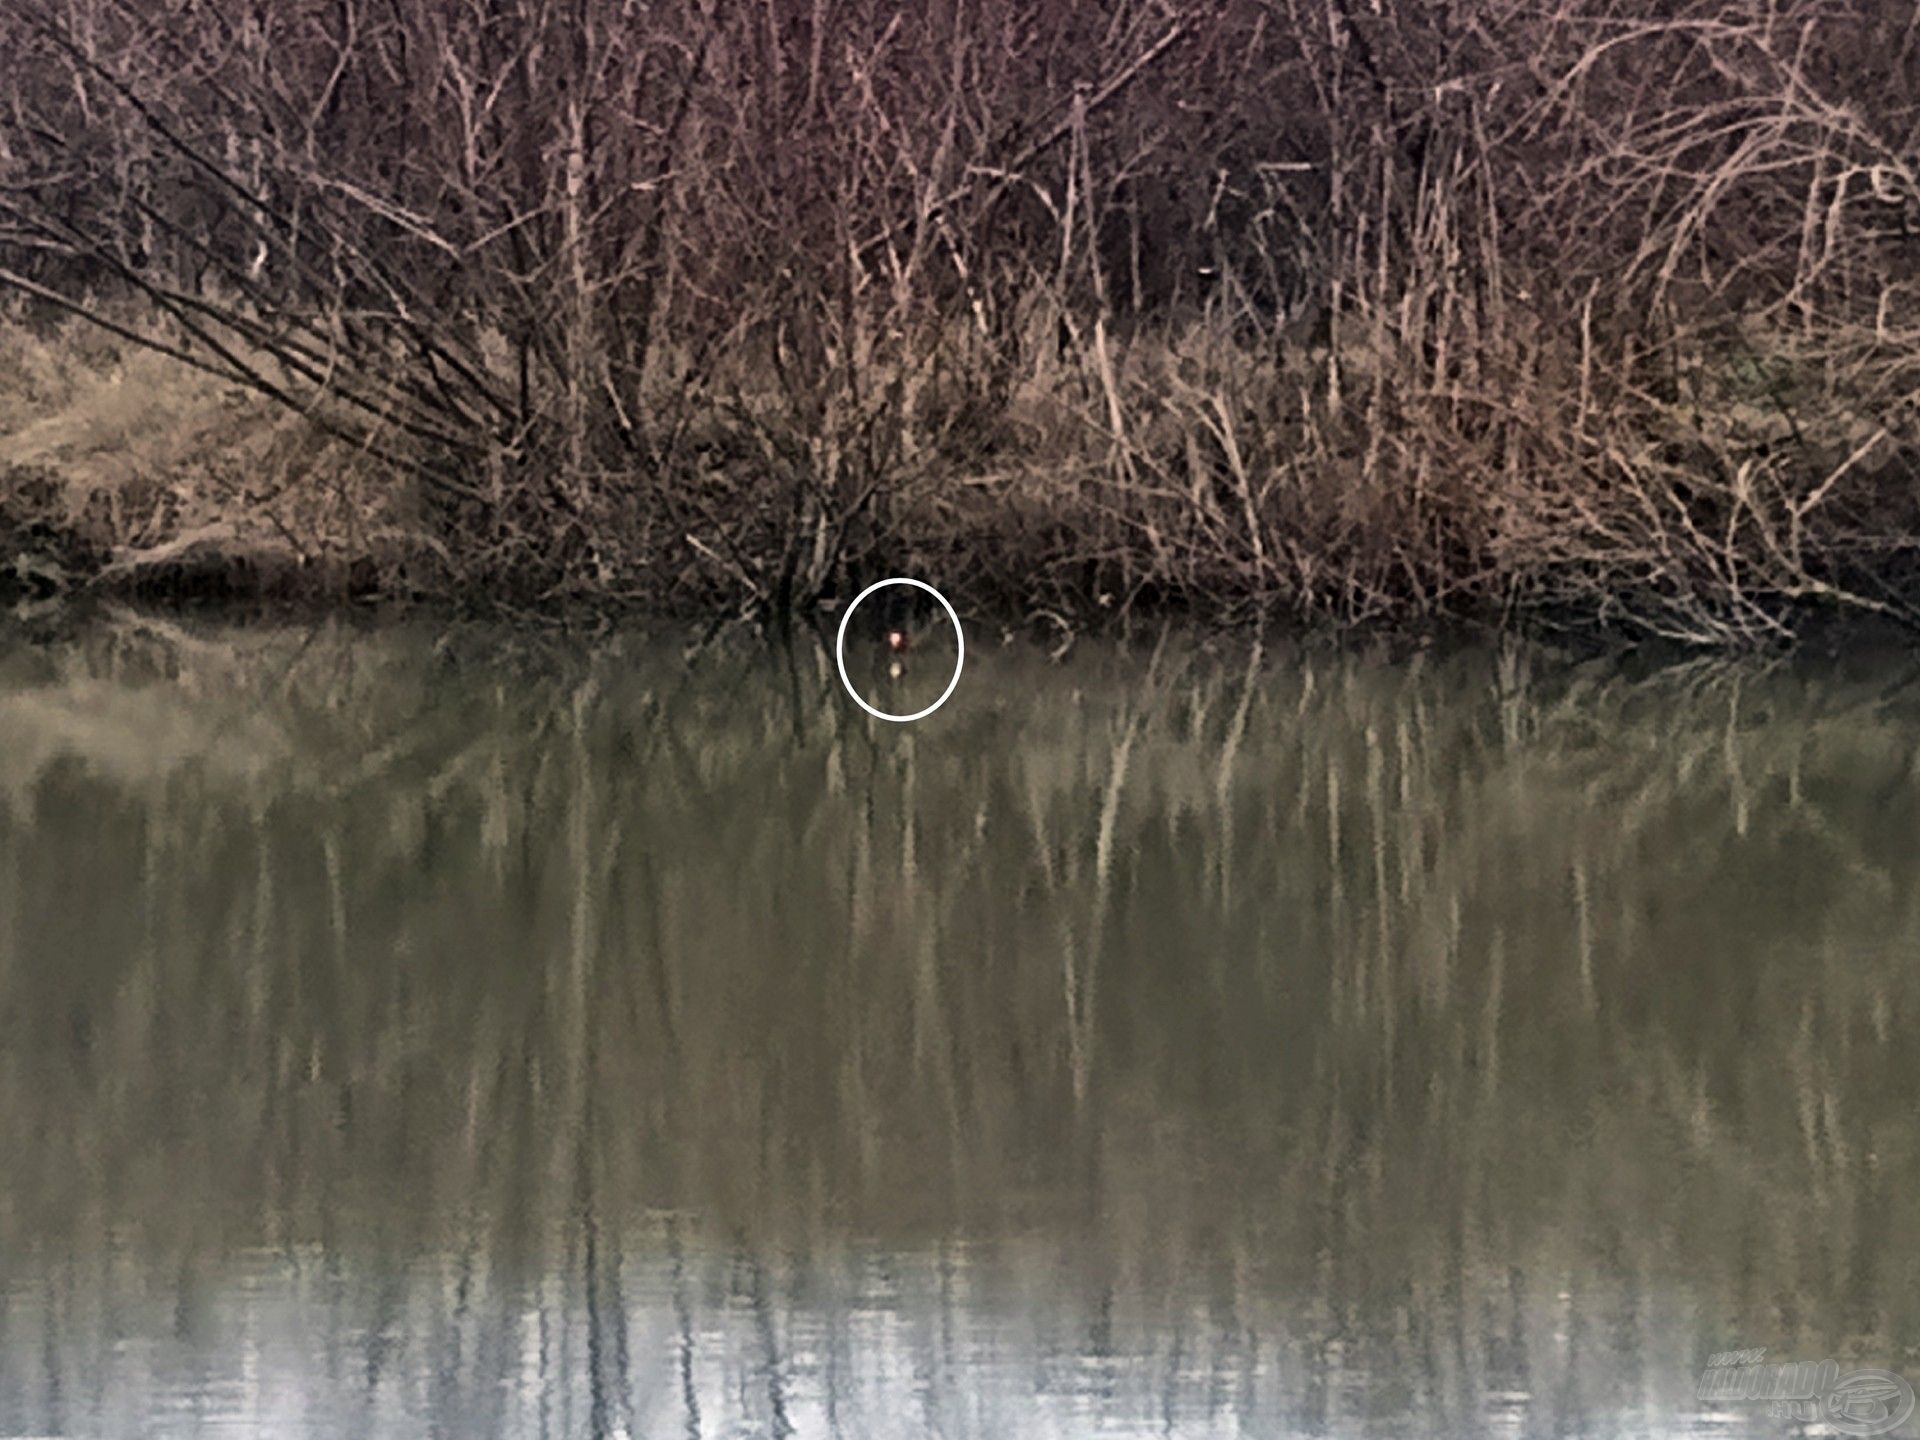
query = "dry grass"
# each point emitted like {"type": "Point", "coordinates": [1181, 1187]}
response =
{"type": "Point", "coordinates": [129, 469]}
{"type": "Point", "coordinates": [1564, 316]}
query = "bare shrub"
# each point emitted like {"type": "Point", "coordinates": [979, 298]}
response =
{"type": "Point", "coordinates": [1248, 304]}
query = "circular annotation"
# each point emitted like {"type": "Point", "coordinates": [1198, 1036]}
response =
{"type": "Point", "coordinates": [840, 649]}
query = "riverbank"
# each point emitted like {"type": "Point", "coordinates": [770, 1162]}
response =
{"type": "Point", "coordinates": [1565, 319]}
{"type": "Point", "coordinates": [126, 473]}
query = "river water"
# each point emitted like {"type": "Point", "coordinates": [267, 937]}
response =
{"type": "Point", "coordinates": [409, 1030]}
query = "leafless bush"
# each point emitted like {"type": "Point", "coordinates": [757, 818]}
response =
{"type": "Point", "coordinates": [1467, 308]}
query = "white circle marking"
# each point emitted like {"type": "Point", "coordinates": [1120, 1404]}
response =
{"type": "Point", "coordinates": [840, 649]}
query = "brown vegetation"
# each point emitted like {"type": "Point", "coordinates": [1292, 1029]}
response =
{"type": "Point", "coordinates": [1351, 312]}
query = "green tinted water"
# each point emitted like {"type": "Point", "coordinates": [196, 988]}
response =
{"type": "Point", "coordinates": [411, 1032]}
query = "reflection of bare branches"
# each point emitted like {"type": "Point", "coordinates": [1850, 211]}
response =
{"type": "Point", "coordinates": [1260, 969]}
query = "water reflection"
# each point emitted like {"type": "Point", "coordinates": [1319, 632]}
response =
{"type": "Point", "coordinates": [416, 1031]}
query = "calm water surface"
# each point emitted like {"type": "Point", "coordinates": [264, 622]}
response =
{"type": "Point", "coordinates": [420, 1032]}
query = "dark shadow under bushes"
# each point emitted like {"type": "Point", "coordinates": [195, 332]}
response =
{"type": "Point", "coordinates": [1477, 310]}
